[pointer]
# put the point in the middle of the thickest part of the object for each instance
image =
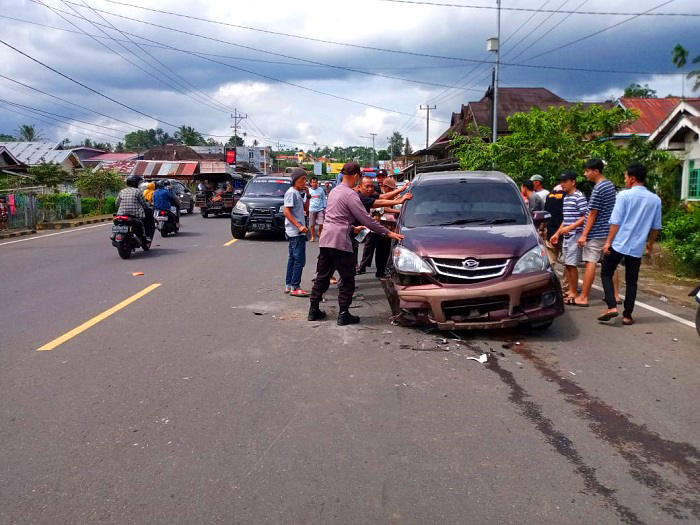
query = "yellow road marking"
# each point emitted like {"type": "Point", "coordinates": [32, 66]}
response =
{"type": "Point", "coordinates": [92, 322]}
{"type": "Point", "coordinates": [229, 243]}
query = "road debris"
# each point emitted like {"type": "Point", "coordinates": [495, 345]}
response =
{"type": "Point", "coordinates": [259, 313]}
{"type": "Point", "coordinates": [481, 359]}
{"type": "Point", "coordinates": [136, 274]}
{"type": "Point", "coordinates": [663, 299]}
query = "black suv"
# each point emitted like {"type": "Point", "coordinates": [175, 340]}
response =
{"type": "Point", "coordinates": [261, 208]}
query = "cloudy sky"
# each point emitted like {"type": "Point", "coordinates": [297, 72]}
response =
{"type": "Point", "coordinates": [300, 90]}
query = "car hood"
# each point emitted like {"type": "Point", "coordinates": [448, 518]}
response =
{"type": "Point", "coordinates": [262, 202]}
{"type": "Point", "coordinates": [459, 242]}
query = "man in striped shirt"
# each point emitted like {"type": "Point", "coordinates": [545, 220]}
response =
{"type": "Point", "coordinates": [597, 226]}
{"type": "Point", "coordinates": [575, 210]}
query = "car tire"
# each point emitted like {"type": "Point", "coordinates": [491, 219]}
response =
{"type": "Point", "coordinates": [204, 213]}
{"type": "Point", "coordinates": [238, 233]}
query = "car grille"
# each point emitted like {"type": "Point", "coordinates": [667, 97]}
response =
{"type": "Point", "coordinates": [261, 213]}
{"type": "Point", "coordinates": [469, 270]}
{"type": "Point", "coordinates": [474, 309]}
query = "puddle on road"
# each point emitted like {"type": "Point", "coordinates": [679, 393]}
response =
{"type": "Point", "coordinates": [637, 445]}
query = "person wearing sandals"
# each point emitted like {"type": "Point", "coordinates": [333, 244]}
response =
{"type": "Point", "coordinates": [575, 209]}
{"type": "Point", "coordinates": [295, 230]}
{"type": "Point", "coordinates": [635, 224]}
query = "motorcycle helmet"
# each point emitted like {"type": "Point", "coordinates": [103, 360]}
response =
{"type": "Point", "coordinates": [160, 184]}
{"type": "Point", "coordinates": [134, 180]}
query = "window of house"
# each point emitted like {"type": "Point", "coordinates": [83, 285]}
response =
{"type": "Point", "coordinates": [694, 183]}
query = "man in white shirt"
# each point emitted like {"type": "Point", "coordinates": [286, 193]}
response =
{"type": "Point", "coordinates": [540, 190]}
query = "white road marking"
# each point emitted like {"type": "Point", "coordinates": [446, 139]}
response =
{"type": "Point", "coordinates": [654, 309]}
{"type": "Point", "coordinates": [69, 230]}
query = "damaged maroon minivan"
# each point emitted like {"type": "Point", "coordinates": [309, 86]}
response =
{"type": "Point", "coordinates": [471, 256]}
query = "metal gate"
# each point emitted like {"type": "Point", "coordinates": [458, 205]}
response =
{"type": "Point", "coordinates": [22, 209]}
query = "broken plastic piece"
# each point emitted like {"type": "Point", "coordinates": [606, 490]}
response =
{"type": "Point", "coordinates": [136, 274]}
{"type": "Point", "coordinates": [481, 359]}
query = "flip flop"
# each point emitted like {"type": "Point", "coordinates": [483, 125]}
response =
{"type": "Point", "coordinates": [569, 300]}
{"type": "Point", "coordinates": [299, 293]}
{"type": "Point", "coordinates": [628, 321]}
{"type": "Point", "coordinates": [580, 305]}
{"type": "Point", "coordinates": [607, 316]}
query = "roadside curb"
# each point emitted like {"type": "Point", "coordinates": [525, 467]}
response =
{"type": "Point", "coordinates": [19, 233]}
{"type": "Point", "coordinates": [72, 224]}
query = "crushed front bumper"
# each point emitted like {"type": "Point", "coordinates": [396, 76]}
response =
{"type": "Point", "coordinates": [533, 298]}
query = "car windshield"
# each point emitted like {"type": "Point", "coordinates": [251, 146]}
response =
{"type": "Point", "coordinates": [464, 204]}
{"type": "Point", "coordinates": [267, 188]}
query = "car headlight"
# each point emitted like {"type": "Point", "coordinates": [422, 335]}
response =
{"type": "Point", "coordinates": [405, 261]}
{"type": "Point", "coordinates": [241, 207]}
{"type": "Point", "coordinates": [534, 260]}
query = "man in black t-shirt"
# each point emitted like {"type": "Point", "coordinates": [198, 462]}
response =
{"type": "Point", "coordinates": [554, 204]}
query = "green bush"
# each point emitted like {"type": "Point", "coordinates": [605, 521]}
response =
{"type": "Point", "coordinates": [89, 206]}
{"type": "Point", "coordinates": [681, 234]}
{"type": "Point", "coordinates": [60, 205]}
{"type": "Point", "coordinates": [110, 205]}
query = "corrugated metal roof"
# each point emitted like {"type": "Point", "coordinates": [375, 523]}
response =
{"type": "Point", "coordinates": [212, 166]}
{"type": "Point", "coordinates": [123, 167]}
{"type": "Point", "coordinates": [10, 158]}
{"type": "Point", "coordinates": [113, 157]}
{"type": "Point", "coordinates": [652, 112]}
{"type": "Point", "coordinates": [33, 153]}
{"type": "Point", "coordinates": [154, 168]}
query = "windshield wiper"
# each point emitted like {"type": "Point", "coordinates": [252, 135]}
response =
{"type": "Point", "coordinates": [459, 221]}
{"type": "Point", "coordinates": [501, 221]}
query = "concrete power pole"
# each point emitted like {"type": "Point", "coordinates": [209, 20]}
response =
{"type": "Point", "coordinates": [237, 117]}
{"type": "Point", "coordinates": [494, 44]}
{"type": "Point", "coordinates": [427, 124]}
{"type": "Point", "coordinates": [372, 161]}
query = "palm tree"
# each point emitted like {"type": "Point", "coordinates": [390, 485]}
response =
{"type": "Point", "coordinates": [189, 136]}
{"type": "Point", "coordinates": [680, 59]}
{"type": "Point", "coordinates": [29, 133]}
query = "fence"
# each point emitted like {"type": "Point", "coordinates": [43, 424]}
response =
{"type": "Point", "coordinates": [22, 210]}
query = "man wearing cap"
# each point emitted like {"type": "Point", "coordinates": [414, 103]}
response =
{"type": "Point", "coordinates": [575, 209]}
{"type": "Point", "coordinates": [336, 253]}
{"type": "Point", "coordinates": [295, 231]}
{"type": "Point", "coordinates": [540, 190]}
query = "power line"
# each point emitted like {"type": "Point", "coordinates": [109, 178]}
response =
{"type": "Point", "coordinates": [322, 64]}
{"type": "Point", "coordinates": [519, 64]}
{"type": "Point", "coordinates": [442, 4]}
{"type": "Point", "coordinates": [32, 110]}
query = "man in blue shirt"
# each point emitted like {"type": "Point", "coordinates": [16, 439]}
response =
{"type": "Point", "coordinates": [164, 200]}
{"type": "Point", "coordinates": [634, 223]}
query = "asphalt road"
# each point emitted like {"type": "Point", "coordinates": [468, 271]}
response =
{"type": "Point", "coordinates": [210, 399]}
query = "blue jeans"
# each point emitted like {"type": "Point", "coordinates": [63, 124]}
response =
{"type": "Point", "coordinates": [297, 260]}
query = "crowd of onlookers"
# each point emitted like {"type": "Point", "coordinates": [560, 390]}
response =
{"type": "Point", "coordinates": [609, 228]}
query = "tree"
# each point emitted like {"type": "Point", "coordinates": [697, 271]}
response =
{"type": "Point", "coordinates": [637, 91]}
{"type": "Point", "coordinates": [407, 149]}
{"type": "Point", "coordinates": [236, 141]}
{"type": "Point", "coordinates": [48, 174]}
{"type": "Point", "coordinates": [189, 136]}
{"type": "Point", "coordinates": [144, 139]}
{"type": "Point", "coordinates": [119, 148]}
{"type": "Point", "coordinates": [383, 154]}
{"type": "Point", "coordinates": [396, 144]}
{"type": "Point", "coordinates": [97, 182]}
{"type": "Point", "coordinates": [680, 58]}
{"type": "Point", "coordinates": [549, 142]}
{"type": "Point", "coordinates": [29, 133]}
{"type": "Point", "coordinates": [7, 138]}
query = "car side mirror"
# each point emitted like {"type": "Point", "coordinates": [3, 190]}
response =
{"type": "Point", "coordinates": [538, 217]}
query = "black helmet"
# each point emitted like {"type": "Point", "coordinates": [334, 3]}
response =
{"type": "Point", "coordinates": [166, 183]}
{"type": "Point", "coordinates": [159, 184]}
{"type": "Point", "coordinates": [134, 180]}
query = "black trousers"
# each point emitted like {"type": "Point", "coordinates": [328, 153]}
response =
{"type": "Point", "coordinates": [330, 260]}
{"type": "Point", "coordinates": [382, 257]}
{"type": "Point", "coordinates": [632, 265]}
{"type": "Point", "coordinates": [368, 250]}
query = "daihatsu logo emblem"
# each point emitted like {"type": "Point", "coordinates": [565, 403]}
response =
{"type": "Point", "coordinates": [470, 264]}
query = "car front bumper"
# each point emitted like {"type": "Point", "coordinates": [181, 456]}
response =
{"type": "Point", "coordinates": [530, 298]}
{"type": "Point", "coordinates": [245, 222]}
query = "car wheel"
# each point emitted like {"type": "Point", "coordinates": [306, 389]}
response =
{"type": "Point", "coordinates": [238, 233]}
{"type": "Point", "coordinates": [204, 213]}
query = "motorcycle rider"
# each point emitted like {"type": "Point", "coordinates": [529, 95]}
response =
{"type": "Point", "coordinates": [169, 187]}
{"type": "Point", "coordinates": [131, 202]}
{"type": "Point", "coordinates": [164, 200]}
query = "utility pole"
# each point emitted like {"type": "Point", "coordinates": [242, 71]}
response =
{"type": "Point", "coordinates": [372, 136]}
{"type": "Point", "coordinates": [494, 44]}
{"type": "Point", "coordinates": [237, 117]}
{"type": "Point", "coordinates": [427, 125]}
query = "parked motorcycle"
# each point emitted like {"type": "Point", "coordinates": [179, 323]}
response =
{"type": "Point", "coordinates": [166, 222]}
{"type": "Point", "coordinates": [696, 293]}
{"type": "Point", "coordinates": [128, 234]}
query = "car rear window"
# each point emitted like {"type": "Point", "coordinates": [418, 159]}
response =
{"type": "Point", "coordinates": [267, 188]}
{"type": "Point", "coordinates": [464, 203]}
